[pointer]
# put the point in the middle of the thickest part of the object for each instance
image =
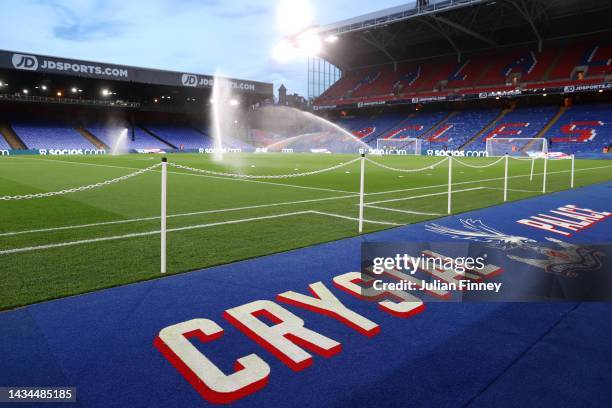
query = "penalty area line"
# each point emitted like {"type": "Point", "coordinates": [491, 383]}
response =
{"type": "Point", "coordinates": [400, 211]}
{"type": "Point", "coordinates": [424, 196]}
{"type": "Point", "coordinates": [186, 228]}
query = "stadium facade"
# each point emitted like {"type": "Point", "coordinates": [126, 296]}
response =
{"type": "Point", "coordinates": [53, 104]}
{"type": "Point", "coordinates": [455, 73]}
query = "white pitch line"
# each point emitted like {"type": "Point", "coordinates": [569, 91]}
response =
{"type": "Point", "coordinates": [424, 195]}
{"type": "Point", "coordinates": [188, 214]}
{"type": "Point", "coordinates": [197, 175]}
{"type": "Point", "coordinates": [346, 217]}
{"type": "Point", "coordinates": [186, 228]}
{"type": "Point", "coordinates": [351, 195]}
{"type": "Point", "coordinates": [398, 210]}
{"type": "Point", "coordinates": [142, 234]}
{"type": "Point", "coordinates": [484, 180]}
{"type": "Point", "coordinates": [515, 189]}
{"type": "Point", "coordinates": [324, 189]}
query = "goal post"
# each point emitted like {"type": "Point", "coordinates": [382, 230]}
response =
{"type": "Point", "coordinates": [399, 146]}
{"type": "Point", "coordinates": [517, 146]}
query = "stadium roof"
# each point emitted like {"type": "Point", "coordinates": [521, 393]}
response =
{"type": "Point", "coordinates": [27, 62]}
{"type": "Point", "coordinates": [438, 27]}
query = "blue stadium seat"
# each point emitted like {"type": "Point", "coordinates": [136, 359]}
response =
{"type": "Point", "coordinates": [50, 135]}
{"type": "Point", "coordinates": [181, 136]}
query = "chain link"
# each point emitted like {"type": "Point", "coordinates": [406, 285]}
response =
{"type": "Point", "coordinates": [479, 167]}
{"type": "Point", "coordinates": [522, 158]}
{"type": "Point", "coordinates": [253, 176]}
{"type": "Point", "coordinates": [77, 189]}
{"type": "Point", "coordinates": [430, 167]}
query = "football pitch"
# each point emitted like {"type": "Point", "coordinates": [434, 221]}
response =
{"type": "Point", "coordinates": [82, 241]}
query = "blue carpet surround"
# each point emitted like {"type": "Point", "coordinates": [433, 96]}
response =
{"type": "Point", "coordinates": [450, 354]}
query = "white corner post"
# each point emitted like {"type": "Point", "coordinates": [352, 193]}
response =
{"type": "Point", "coordinates": [572, 177]}
{"type": "Point", "coordinates": [506, 178]}
{"type": "Point", "coordinates": [361, 191]}
{"type": "Point", "coordinates": [164, 182]}
{"type": "Point", "coordinates": [544, 180]}
{"type": "Point", "coordinates": [450, 181]}
{"type": "Point", "coordinates": [532, 165]}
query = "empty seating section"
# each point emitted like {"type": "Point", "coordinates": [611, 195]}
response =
{"type": "Point", "coordinates": [415, 125]}
{"type": "Point", "coordinates": [467, 73]}
{"type": "Point", "coordinates": [4, 144]}
{"type": "Point", "coordinates": [504, 64]}
{"type": "Point", "coordinates": [434, 71]}
{"type": "Point", "coordinates": [344, 85]}
{"type": "Point", "coordinates": [582, 129]}
{"type": "Point", "coordinates": [459, 129]}
{"type": "Point", "coordinates": [520, 123]}
{"type": "Point", "coordinates": [371, 128]}
{"type": "Point", "coordinates": [181, 136]}
{"type": "Point", "coordinates": [569, 59]}
{"type": "Point", "coordinates": [109, 135]}
{"type": "Point", "coordinates": [599, 59]}
{"type": "Point", "coordinates": [544, 61]}
{"type": "Point", "coordinates": [50, 135]}
{"type": "Point", "coordinates": [489, 69]}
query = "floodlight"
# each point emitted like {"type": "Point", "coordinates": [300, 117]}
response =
{"type": "Point", "coordinates": [234, 102]}
{"type": "Point", "coordinates": [331, 38]}
{"type": "Point", "coordinates": [283, 51]}
{"type": "Point", "coordinates": [309, 43]}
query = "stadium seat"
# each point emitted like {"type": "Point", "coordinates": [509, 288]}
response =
{"type": "Point", "coordinates": [4, 144]}
{"type": "Point", "coordinates": [520, 123]}
{"type": "Point", "coordinates": [458, 129]}
{"type": "Point", "coordinates": [142, 140]}
{"type": "Point", "coordinates": [582, 129]}
{"type": "Point", "coordinates": [50, 135]}
{"type": "Point", "coordinates": [181, 136]}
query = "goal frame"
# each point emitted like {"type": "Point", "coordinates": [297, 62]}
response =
{"type": "Point", "coordinates": [380, 142]}
{"type": "Point", "coordinates": [489, 150]}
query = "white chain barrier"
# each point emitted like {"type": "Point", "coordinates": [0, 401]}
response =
{"type": "Point", "coordinates": [522, 158]}
{"type": "Point", "coordinates": [430, 167]}
{"type": "Point", "coordinates": [256, 176]}
{"type": "Point", "coordinates": [479, 167]}
{"type": "Point", "coordinates": [77, 189]}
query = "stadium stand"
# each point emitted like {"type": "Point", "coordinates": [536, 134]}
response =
{"type": "Point", "coordinates": [598, 59]}
{"type": "Point", "coordinates": [181, 136]}
{"type": "Point", "coordinates": [458, 129]}
{"type": "Point", "coordinates": [582, 129]}
{"type": "Point", "coordinates": [50, 135]}
{"type": "Point", "coordinates": [4, 144]}
{"type": "Point", "coordinates": [415, 125]}
{"type": "Point", "coordinates": [142, 140]}
{"type": "Point", "coordinates": [521, 123]}
{"type": "Point", "coordinates": [485, 71]}
{"type": "Point", "coordinates": [370, 128]}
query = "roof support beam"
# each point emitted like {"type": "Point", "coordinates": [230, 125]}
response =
{"type": "Point", "coordinates": [521, 6]}
{"type": "Point", "coordinates": [464, 29]}
{"type": "Point", "coordinates": [380, 45]}
{"type": "Point", "coordinates": [446, 35]}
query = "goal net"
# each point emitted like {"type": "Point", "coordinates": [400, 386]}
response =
{"type": "Point", "coordinates": [499, 146]}
{"type": "Point", "coordinates": [400, 146]}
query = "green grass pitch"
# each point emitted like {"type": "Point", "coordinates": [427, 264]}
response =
{"type": "Point", "coordinates": [216, 220]}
